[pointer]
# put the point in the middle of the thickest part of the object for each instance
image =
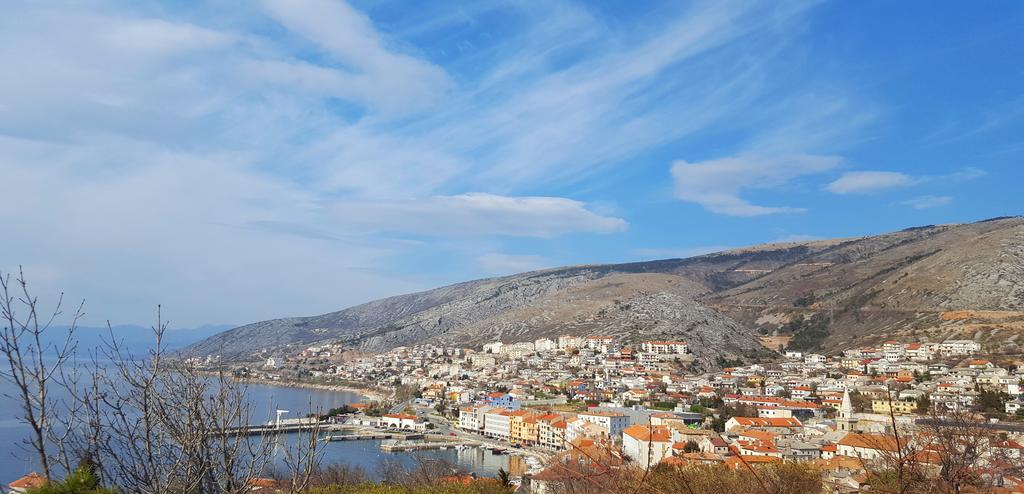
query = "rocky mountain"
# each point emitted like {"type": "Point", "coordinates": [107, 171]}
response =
{"type": "Point", "coordinates": [925, 282]}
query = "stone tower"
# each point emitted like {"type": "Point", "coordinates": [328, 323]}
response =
{"type": "Point", "coordinates": [845, 422]}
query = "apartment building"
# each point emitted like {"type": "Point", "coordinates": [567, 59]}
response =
{"type": "Point", "coordinates": [551, 431]}
{"type": "Point", "coordinates": [472, 418]}
{"type": "Point", "coordinates": [959, 347]}
{"type": "Point", "coordinates": [664, 347]}
{"type": "Point", "coordinates": [497, 424]}
{"type": "Point", "coordinates": [897, 407]}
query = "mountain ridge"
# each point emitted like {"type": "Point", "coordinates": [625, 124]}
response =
{"type": "Point", "coordinates": [722, 302]}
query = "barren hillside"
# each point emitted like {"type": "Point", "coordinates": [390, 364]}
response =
{"type": "Point", "coordinates": [828, 295]}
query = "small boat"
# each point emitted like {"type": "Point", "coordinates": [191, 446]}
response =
{"type": "Point", "coordinates": [497, 451]}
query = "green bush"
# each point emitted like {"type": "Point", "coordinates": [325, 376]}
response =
{"type": "Point", "coordinates": [81, 481]}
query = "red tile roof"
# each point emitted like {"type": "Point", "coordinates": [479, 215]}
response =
{"type": "Point", "coordinates": [657, 433]}
{"type": "Point", "coordinates": [29, 481]}
{"type": "Point", "coordinates": [768, 422]}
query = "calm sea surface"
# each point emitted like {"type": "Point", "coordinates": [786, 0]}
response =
{"type": "Point", "coordinates": [15, 461]}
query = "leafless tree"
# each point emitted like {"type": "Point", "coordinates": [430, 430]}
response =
{"type": "Point", "coordinates": [948, 452]}
{"type": "Point", "coordinates": [33, 362]}
{"type": "Point", "coordinates": [154, 424]}
{"type": "Point", "coordinates": [302, 459]}
{"type": "Point", "coordinates": [150, 423]}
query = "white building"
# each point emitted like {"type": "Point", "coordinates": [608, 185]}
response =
{"type": "Point", "coordinates": [566, 342]}
{"type": "Point", "coordinates": [893, 350]}
{"type": "Point", "coordinates": [664, 347]}
{"type": "Point", "coordinates": [647, 445]}
{"type": "Point", "coordinates": [552, 432]}
{"type": "Point", "coordinates": [493, 347]}
{"type": "Point", "coordinates": [866, 446]}
{"type": "Point", "coordinates": [482, 360]}
{"type": "Point", "coordinates": [611, 423]}
{"type": "Point", "coordinates": [603, 344]}
{"type": "Point", "coordinates": [920, 352]}
{"type": "Point", "coordinates": [959, 347]}
{"type": "Point", "coordinates": [545, 345]}
{"type": "Point", "coordinates": [518, 350]}
{"type": "Point", "coordinates": [472, 418]}
{"type": "Point", "coordinates": [814, 358]}
{"type": "Point", "coordinates": [497, 423]}
{"type": "Point", "coordinates": [401, 421]}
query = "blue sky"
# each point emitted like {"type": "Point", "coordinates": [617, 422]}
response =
{"type": "Point", "coordinates": [241, 161]}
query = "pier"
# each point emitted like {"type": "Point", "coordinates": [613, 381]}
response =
{"type": "Point", "coordinates": [372, 435]}
{"type": "Point", "coordinates": [430, 441]}
{"type": "Point", "coordinates": [256, 430]}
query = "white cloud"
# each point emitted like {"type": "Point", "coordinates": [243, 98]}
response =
{"type": "Point", "coordinates": [177, 228]}
{"type": "Point", "coordinates": [237, 163]}
{"type": "Point", "coordinates": [969, 173]}
{"type": "Point", "coordinates": [717, 184]}
{"type": "Point", "coordinates": [374, 72]}
{"type": "Point", "coordinates": [503, 264]}
{"type": "Point", "coordinates": [866, 182]}
{"type": "Point", "coordinates": [476, 214]}
{"type": "Point", "coordinates": [927, 202]}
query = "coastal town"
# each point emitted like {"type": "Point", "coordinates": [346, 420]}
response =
{"type": "Point", "coordinates": [649, 403]}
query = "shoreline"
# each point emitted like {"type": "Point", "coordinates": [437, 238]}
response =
{"type": "Point", "coordinates": [369, 394]}
{"type": "Point", "coordinates": [366, 393]}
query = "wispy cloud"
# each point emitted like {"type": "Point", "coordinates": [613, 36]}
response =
{"type": "Point", "coordinates": [367, 71]}
{"type": "Point", "coordinates": [476, 214]}
{"type": "Point", "coordinates": [928, 202]}
{"type": "Point", "coordinates": [717, 184]}
{"type": "Point", "coordinates": [270, 151]}
{"type": "Point", "coordinates": [865, 182]}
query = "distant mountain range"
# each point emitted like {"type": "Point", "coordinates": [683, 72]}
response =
{"type": "Point", "coordinates": [930, 282]}
{"type": "Point", "coordinates": [134, 338]}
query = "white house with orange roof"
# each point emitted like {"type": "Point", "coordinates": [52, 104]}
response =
{"type": "Point", "coordinates": [647, 445]}
{"type": "Point", "coordinates": [980, 364]}
{"type": "Point", "coordinates": [919, 352]}
{"type": "Point", "coordinates": [868, 446]}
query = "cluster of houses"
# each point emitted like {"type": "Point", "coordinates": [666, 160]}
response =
{"type": "Point", "coordinates": [556, 393]}
{"type": "Point", "coordinates": [839, 445]}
